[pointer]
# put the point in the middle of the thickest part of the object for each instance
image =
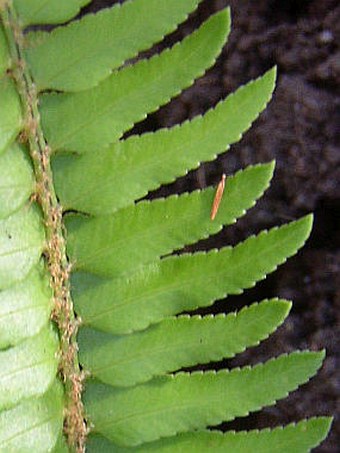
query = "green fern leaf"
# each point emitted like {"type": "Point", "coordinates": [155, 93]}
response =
{"type": "Point", "coordinates": [96, 42]}
{"type": "Point", "coordinates": [119, 244]}
{"type": "Point", "coordinates": [130, 169]}
{"type": "Point", "coordinates": [34, 425]}
{"type": "Point", "coordinates": [187, 282]}
{"type": "Point", "coordinates": [192, 401]}
{"type": "Point", "coordinates": [33, 362]}
{"type": "Point", "coordinates": [21, 244]}
{"type": "Point", "coordinates": [25, 308]}
{"type": "Point", "coordinates": [47, 11]}
{"type": "Point", "coordinates": [17, 183]}
{"type": "Point", "coordinates": [176, 343]}
{"type": "Point", "coordinates": [10, 113]}
{"type": "Point", "coordinates": [61, 445]}
{"type": "Point", "coordinates": [96, 118]}
{"type": "Point", "coordinates": [4, 53]}
{"type": "Point", "coordinates": [297, 438]}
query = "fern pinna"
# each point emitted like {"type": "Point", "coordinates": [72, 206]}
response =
{"type": "Point", "coordinates": [92, 330]}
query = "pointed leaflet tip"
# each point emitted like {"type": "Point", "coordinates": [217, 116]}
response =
{"type": "Point", "coordinates": [284, 306]}
{"type": "Point", "coordinates": [183, 283]}
{"type": "Point", "coordinates": [140, 234]}
{"type": "Point", "coordinates": [305, 225]}
{"type": "Point", "coordinates": [185, 401]}
{"type": "Point", "coordinates": [97, 42]}
{"type": "Point", "coordinates": [298, 437]}
{"type": "Point", "coordinates": [130, 168]}
{"type": "Point", "coordinates": [95, 118]}
{"type": "Point", "coordinates": [175, 343]}
{"type": "Point", "coordinates": [271, 75]}
{"type": "Point", "coordinates": [264, 172]}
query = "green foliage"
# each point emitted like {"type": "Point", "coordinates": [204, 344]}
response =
{"type": "Point", "coordinates": [130, 359]}
{"type": "Point", "coordinates": [77, 89]}
{"type": "Point", "coordinates": [30, 362]}
{"type": "Point", "coordinates": [192, 401]}
{"type": "Point", "coordinates": [4, 53]}
{"type": "Point", "coordinates": [302, 437]}
{"type": "Point", "coordinates": [121, 243]}
{"type": "Point", "coordinates": [90, 185]}
{"type": "Point", "coordinates": [47, 12]}
{"type": "Point", "coordinates": [10, 113]}
{"type": "Point", "coordinates": [98, 117]}
{"type": "Point", "coordinates": [67, 60]}
{"type": "Point", "coordinates": [25, 308]}
{"type": "Point", "coordinates": [33, 425]}
{"type": "Point", "coordinates": [21, 244]}
{"type": "Point", "coordinates": [17, 182]}
{"type": "Point", "coordinates": [181, 283]}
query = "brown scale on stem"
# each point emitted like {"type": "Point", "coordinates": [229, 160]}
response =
{"type": "Point", "coordinates": [75, 427]}
{"type": "Point", "coordinates": [218, 197]}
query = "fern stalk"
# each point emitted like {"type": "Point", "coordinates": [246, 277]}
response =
{"type": "Point", "coordinates": [55, 253]}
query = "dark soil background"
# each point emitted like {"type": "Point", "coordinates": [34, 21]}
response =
{"type": "Point", "coordinates": [299, 130]}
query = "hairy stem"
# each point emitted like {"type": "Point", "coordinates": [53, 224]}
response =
{"type": "Point", "coordinates": [56, 258]}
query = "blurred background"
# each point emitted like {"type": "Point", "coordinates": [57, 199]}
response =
{"type": "Point", "coordinates": [300, 129]}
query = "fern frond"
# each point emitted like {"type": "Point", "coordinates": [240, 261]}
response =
{"type": "Point", "coordinates": [71, 94]}
{"type": "Point", "coordinates": [176, 343]}
{"type": "Point", "coordinates": [297, 438]}
{"type": "Point", "coordinates": [184, 402]}
{"type": "Point", "coordinates": [83, 53]}
{"type": "Point", "coordinates": [47, 11]}
{"type": "Point", "coordinates": [129, 169]}
{"type": "Point", "coordinates": [97, 117]}
{"type": "Point", "coordinates": [185, 282]}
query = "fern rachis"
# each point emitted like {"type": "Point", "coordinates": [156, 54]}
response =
{"type": "Point", "coordinates": [92, 334]}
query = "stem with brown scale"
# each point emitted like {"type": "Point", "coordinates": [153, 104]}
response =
{"type": "Point", "coordinates": [63, 315]}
